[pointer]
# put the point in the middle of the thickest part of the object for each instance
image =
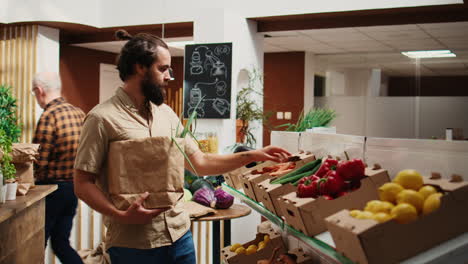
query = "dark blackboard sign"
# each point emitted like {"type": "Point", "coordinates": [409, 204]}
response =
{"type": "Point", "coordinates": [207, 78]}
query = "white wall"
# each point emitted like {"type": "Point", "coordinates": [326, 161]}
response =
{"type": "Point", "coordinates": [3, 10]}
{"type": "Point", "coordinates": [351, 112]}
{"type": "Point", "coordinates": [109, 81]}
{"type": "Point", "coordinates": [438, 113]}
{"type": "Point", "coordinates": [397, 117]}
{"type": "Point", "coordinates": [85, 12]}
{"type": "Point", "coordinates": [108, 13]}
{"type": "Point", "coordinates": [48, 54]}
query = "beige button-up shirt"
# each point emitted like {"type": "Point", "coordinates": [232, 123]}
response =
{"type": "Point", "coordinates": [118, 119]}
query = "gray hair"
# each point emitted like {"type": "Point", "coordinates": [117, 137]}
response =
{"type": "Point", "coordinates": [49, 81]}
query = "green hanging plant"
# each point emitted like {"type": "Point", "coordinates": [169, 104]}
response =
{"type": "Point", "coordinates": [9, 130]}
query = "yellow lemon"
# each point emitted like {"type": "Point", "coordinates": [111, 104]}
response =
{"type": "Point", "coordinates": [389, 191]}
{"type": "Point", "coordinates": [409, 179]}
{"type": "Point", "coordinates": [261, 245]}
{"type": "Point", "coordinates": [252, 246]}
{"type": "Point", "coordinates": [411, 197]}
{"type": "Point", "coordinates": [382, 217]}
{"type": "Point", "coordinates": [234, 247]}
{"type": "Point", "coordinates": [354, 213]}
{"type": "Point", "coordinates": [240, 250]}
{"type": "Point", "coordinates": [387, 207]}
{"type": "Point", "coordinates": [427, 190]}
{"type": "Point", "coordinates": [432, 203]}
{"type": "Point", "coordinates": [251, 250]}
{"type": "Point", "coordinates": [365, 215]}
{"type": "Point", "coordinates": [404, 213]}
{"type": "Point", "coordinates": [376, 206]}
{"type": "Point", "coordinates": [373, 206]}
{"type": "Point", "coordinates": [266, 238]}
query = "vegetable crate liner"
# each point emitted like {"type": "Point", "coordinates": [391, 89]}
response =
{"type": "Point", "coordinates": [276, 241]}
{"type": "Point", "coordinates": [154, 165]}
{"type": "Point", "coordinates": [366, 241]}
{"type": "Point", "coordinates": [308, 214]}
{"type": "Point", "coordinates": [268, 193]}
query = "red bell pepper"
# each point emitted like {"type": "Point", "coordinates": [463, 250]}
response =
{"type": "Point", "coordinates": [307, 187]}
{"type": "Point", "coordinates": [351, 170]}
{"type": "Point", "coordinates": [327, 165]}
{"type": "Point", "coordinates": [331, 184]}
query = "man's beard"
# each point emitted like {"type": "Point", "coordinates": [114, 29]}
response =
{"type": "Point", "coordinates": [153, 92]}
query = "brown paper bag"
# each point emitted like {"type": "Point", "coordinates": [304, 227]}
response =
{"type": "Point", "coordinates": [153, 165]}
{"type": "Point", "coordinates": [25, 173]}
{"type": "Point", "coordinates": [24, 152]}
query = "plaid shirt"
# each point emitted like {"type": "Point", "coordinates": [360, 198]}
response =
{"type": "Point", "coordinates": [58, 133]}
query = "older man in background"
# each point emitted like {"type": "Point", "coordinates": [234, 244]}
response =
{"type": "Point", "coordinates": [58, 133]}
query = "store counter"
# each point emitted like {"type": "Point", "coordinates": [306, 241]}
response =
{"type": "Point", "coordinates": [22, 227]}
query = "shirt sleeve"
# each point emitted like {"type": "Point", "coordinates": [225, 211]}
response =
{"type": "Point", "coordinates": [93, 146]}
{"type": "Point", "coordinates": [45, 136]}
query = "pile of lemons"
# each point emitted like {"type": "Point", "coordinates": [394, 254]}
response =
{"type": "Point", "coordinates": [239, 249]}
{"type": "Point", "coordinates": [404, 199]}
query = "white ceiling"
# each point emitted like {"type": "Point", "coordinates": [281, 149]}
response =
{"type": "Point", "coordinates": [362, 47]}
{"type": "Point", "coordinates": [380, 47]}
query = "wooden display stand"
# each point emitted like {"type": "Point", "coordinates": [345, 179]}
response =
{"type": "Point", "coordinates": [22, 223]}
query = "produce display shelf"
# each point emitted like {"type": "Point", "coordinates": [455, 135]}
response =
{"type": "Point", "coordinates": [317, 244]}
{"type": "Point", "coordinates": [452, 251]}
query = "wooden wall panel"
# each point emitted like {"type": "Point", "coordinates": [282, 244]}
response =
{"type": "Point", "coordinates": [283, 87]}
{"type": "Point", "coordinates": [17, 69]}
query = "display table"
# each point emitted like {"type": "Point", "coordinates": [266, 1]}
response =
{"type": "Point", "coordinates": [222, 232]}
{"type": "Point", "coordinates": [22, 227]}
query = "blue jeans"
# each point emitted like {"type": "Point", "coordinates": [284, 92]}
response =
{"type": "Point", "coordinates": [181, 252]}
{"type": "Point", "coordinates": [60, 210]}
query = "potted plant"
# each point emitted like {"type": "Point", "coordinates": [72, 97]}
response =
{"type": "Point", "coordinates": [314, 118]}
{"type": "Point", "coordinates": [247, 108]}
{"type": "Point", "coordinates": [9, 133]}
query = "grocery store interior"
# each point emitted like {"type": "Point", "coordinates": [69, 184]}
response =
{"type": "Point", "coordinates": [370, 98]}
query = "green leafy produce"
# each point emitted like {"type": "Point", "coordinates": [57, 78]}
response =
{"type": "Point", "coordinates": [199, 184]}
{"type": "Point", "coordinates": [301, 172]}
{"type": "Point", "coordinates": [316, 117]}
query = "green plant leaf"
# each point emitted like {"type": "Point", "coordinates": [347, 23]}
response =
{"type": "Point", "coordinates": [185, 156]}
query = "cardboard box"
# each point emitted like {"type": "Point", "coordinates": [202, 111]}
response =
{"type": "Point", "coordinates": [302, 257]}
{"type": "Point", "coordinates": [268, 193]}
{"type": "Point", "coordinates": [366, 241]}
{"type": "Point", "coordinates": [233, 178]}
{"type": "Point", "coordinates": [308, 214]}
{"type": "Point", "coordinates": [276, 241]}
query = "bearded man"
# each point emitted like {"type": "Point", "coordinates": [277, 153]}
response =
{"type": "Point", "coordinates": [137, 110]}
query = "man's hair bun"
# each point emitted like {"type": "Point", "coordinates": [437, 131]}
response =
{"type": "Point", "coordinates": [121, 34]}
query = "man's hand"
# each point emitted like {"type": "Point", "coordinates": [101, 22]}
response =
{"type": "Point", "coordinates": [273, 153]}
{"type": "Point", "coordinates": [137, 214]}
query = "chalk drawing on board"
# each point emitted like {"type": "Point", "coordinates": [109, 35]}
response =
{"type": "Point", "coordinates": [196, 64]}
{"type": "Point", "coordinates": [221, 105]}
{"type": "Point", "coordinates": [196, 96]}
{"type": "Point", "coordinates": [221, 88]}
{"type": "Point", "coordinates": [222, 49]}
{"type": "Point", "coordinates": [219, 69]}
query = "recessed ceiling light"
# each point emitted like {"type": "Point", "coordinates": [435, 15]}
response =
{"type": "Point", "coordinates": [423, 54]}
